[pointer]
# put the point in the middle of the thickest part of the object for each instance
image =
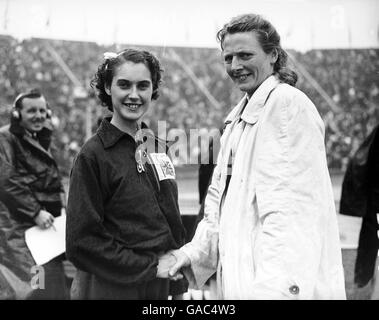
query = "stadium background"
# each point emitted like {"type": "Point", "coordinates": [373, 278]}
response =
{"type": "Point", "coordinates": [341, 76]}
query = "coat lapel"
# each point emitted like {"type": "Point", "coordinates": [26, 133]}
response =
{"type": "Point", "coordinates": [36, 145]}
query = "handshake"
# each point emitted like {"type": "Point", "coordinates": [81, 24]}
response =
{"type": "Point", "coordinates": [170, 264]}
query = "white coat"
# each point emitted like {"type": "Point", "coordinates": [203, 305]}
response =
{"type": "Point", "coordinates": [274, 233]}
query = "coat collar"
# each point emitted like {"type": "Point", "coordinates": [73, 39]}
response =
{"type": "Point", "coordinates": [37, 145]}
{"type": "Point", "coordinates": [255, 104]}
{"type": "Point", "coordinates": [42, 140]}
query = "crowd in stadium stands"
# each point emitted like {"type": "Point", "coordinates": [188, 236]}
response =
{"type": "Point", "coordinates": [349, 77]}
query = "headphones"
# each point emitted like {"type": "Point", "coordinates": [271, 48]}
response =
{"type": "Point", "coordinates": [16, 114]}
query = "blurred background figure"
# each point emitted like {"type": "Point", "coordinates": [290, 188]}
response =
{"type": "Point", "coordinates": [205, 171]}
{"type": "Point", "coordinates": [31, 193]}
{"type": "Point", "coordinates": [360, 198]}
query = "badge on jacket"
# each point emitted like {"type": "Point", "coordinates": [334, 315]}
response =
{"type": "Point", "coordinates": [163, 166]}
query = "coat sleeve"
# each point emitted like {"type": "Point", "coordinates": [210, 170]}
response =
{"type": "Point", "coordinates": [14, 184]}
{"type": "Point", "coordinates": [294, 201]}
{"type": "Point", "coordinates": [203, 249]}
{"type": "Point", "coordinates": [89, 245]}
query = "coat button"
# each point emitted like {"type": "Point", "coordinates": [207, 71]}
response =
{"type": "Point", "coordinates": [294, 289]}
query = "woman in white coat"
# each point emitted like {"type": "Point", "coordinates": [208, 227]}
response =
{"type": "Point", "coordinates": [270, 226]}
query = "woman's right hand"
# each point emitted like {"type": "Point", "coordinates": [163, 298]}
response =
{"type": "Point", "coordinates": [182, 260]}
{"type": "Point", "coordinates": [165, 262]}
{"type": "Point", "coordinates": [44, 219]}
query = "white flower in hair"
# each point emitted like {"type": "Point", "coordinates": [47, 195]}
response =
{"type": "Point", "coordinates": [110, 55]}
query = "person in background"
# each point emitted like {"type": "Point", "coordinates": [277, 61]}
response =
{"type": "Point", "coordinates": [31, 193]}
{"type": "Point", "coordinates": [207, 164]}
{"type": "Point", "coordinates": [360, 198]}
{"type": "Point", "coordinates": [270, 226]}
{"type": "Point", "coordinates": [123, 213]}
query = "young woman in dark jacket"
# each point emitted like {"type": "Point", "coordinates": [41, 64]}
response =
{"type": "Point", "coordinates": [123, 212]}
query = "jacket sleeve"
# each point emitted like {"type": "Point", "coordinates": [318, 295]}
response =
{"type": "Point", "coordinates": [14, 184]}
{"type": "Point", "coordinates": [294, 201]}
{"type": "Point", "coordinates": [89, 245]}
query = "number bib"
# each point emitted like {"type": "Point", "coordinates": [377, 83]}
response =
{"type": "Point", "coordinates": [163, 166]}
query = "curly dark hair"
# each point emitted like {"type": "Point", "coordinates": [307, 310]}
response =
{"type": "Point", "coordinates": [268, 38]}
{"type": "Point", "coordinates": [104, 75]}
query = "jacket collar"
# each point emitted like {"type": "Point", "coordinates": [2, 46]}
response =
{"type": "Point", "coordinates": [255, 103]}
{"type": "Point", "coordinates": [110, 135]}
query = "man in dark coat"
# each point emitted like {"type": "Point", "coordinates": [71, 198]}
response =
{"type": "Point", "coordinates": [31, 193]}
{"type": "Point", "coordinates": [360, 197]}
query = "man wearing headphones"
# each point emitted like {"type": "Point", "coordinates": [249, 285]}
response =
{"type": "Point", "coordinates": [31, 193]}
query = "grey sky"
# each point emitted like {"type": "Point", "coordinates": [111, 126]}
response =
{"type": "Point", "coordinates": [303, 24]}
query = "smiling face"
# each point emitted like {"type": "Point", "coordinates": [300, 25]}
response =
{"type": "Point", "coordinates": [131, 91]}
{"type": "Point", "coordinates": [245, 61]}
{"type": "Point", "coordinates": [33, 114]}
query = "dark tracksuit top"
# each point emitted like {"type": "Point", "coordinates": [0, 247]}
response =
{"type": "Point", "coordinates": [119, 219]}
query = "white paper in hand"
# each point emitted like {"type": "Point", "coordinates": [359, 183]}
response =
{"type": "Point", "coordinates": [46, 244]}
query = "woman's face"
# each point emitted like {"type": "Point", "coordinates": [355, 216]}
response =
{"type": "Point", "coordinates": [245, 61]}
{"type": "Point", "coordinates": [131, 90]}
